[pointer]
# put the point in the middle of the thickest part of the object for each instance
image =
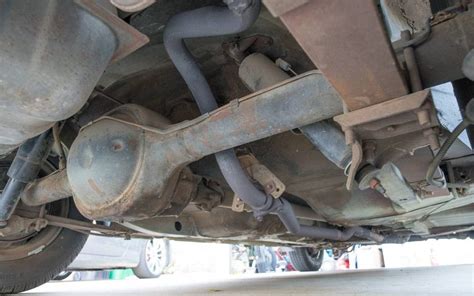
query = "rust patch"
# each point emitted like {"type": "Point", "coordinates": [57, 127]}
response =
{"type": "Point", "coordinates": [347, 41]}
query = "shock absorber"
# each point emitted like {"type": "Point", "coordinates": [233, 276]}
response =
{"type": "Point", "coordinates": [23, 170]}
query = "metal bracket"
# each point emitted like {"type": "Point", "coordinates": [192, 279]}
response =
{"type": "Point", "coordinates": [357, 157]}
{"type": "Point", "coordinates": [403, 115]}
{"type": "Point", "coordinates": [260, 173]}
{"type": "Point", "coordinates": [389, 181]}
{"type": "Point", "coordinates": [418, 39]}
{"type": "Point", "coordinates": [18, 225]}
{"type": "Point", "coordinates": [237, 204]}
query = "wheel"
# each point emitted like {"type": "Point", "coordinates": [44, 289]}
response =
{"type": "Point", "coordinates": [34, 258]}
{"type": "Point", "coordinates": [153, 259]}
{"type": "Point", "coordinates": [306, 259]}
{"type": "Point", "coordinates": [63, 275]}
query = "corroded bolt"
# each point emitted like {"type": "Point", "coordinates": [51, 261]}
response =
{"type": "Point", "coordinates": [270, 187]}
{"type": "Point", "coordinates": [375, 184]}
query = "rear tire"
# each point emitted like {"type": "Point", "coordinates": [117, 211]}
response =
{"type": "Point", "coordinates": [32, 271]}
{"type": "Point", "coordinates": [306, 259]}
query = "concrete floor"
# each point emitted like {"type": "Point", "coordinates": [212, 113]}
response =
{"type": "Point", "coordinates": [446, 280]}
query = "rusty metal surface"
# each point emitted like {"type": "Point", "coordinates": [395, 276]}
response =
{"type": "Point", "coordinates": [306, 172]}
{"type": "Point", "coordinates": [410, 64]}
{"type": "Point", "coordinates": [383, 110]}
{"type": "Point", "coordinates": [414, 168]}
{"type": "Point", "coordinates": [90, 227]}
{"type": "Point", "coordinates": [185, 190]}
{"type": "Point", "coordinates": [296, 102]}
{"type": "Point", "coordinates": [110, 171]}
{"type": "Point", "coordinates": [15, 250]}
{"type": "Point", "coordinates": [47, 189]}
{"type": "Point", "coordinates": [260, 173]}
{"type": "Point", "coordinates": [440, 57]}
{"type": "Point", "coordinates": [221, 224]}
{"type": "Point", "coordinates": [411, 113]}
{"type": "Point", "coordinates": [347, 42]}
{"type": "Point", "coordinates": [308, 175]}
{"type": "Point", "coordinates": [257, 71]}
{"type": "Point", "coordinates": [22, 226]}
{"type": "Point", "coordinates": [119, 142]}
{"type": "Point", "coordinates": [357, 158]}
{"type": "Point", "coordinates": [129, 39]}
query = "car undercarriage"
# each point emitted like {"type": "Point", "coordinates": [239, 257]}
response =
{"type": "Point", "coordinates": [306, 123]}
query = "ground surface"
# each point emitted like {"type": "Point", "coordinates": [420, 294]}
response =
{"type": "Point", "coordinates": [446, 280]}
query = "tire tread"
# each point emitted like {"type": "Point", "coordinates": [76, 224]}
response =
{"type": "Point", "coordinates": [58, 255]}
{"type": "Point", "coordinates": [30, 283]}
